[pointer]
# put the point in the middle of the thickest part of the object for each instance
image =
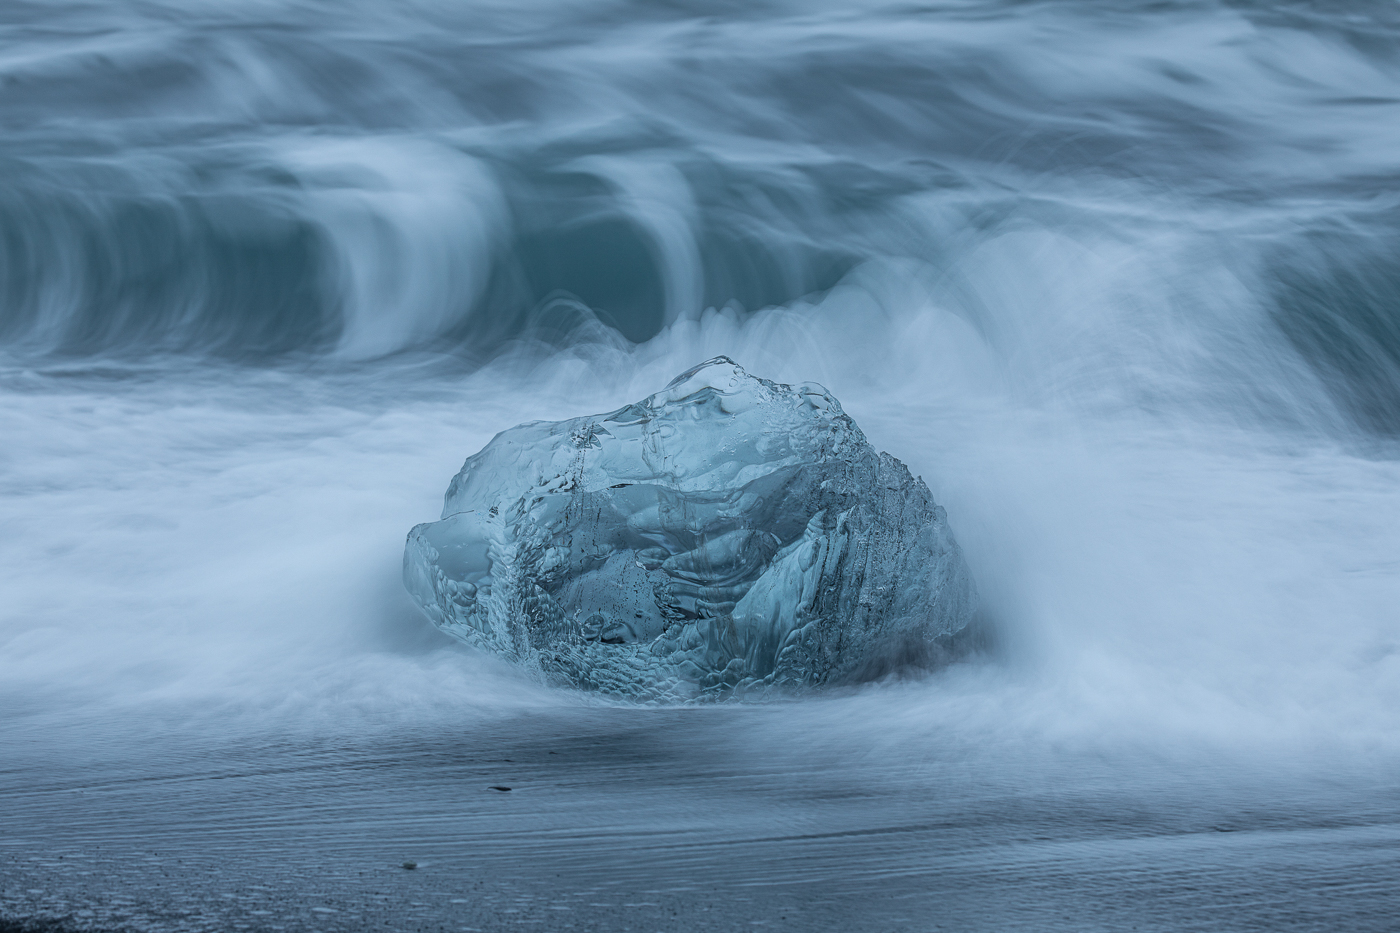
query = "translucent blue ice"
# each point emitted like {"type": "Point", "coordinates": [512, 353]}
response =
{"type": "Point", "coordinates": [726, 535]}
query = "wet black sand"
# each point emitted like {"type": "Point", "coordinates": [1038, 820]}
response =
{"type": "Point", "coordinates": [669, 820]}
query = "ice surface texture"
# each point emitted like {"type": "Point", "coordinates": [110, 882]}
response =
{"type": "Point", "coordinates": [727, 535]}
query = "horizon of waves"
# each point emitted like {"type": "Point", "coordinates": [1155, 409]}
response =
{"type": "Point", "coordinates": [1198, 196]}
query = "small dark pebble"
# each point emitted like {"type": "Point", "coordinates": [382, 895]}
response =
{"type": "Point", "coordinates": [499, 787]}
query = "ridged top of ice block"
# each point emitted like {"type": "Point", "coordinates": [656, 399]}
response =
{"type": "Point", "coordinates": [713, 427]}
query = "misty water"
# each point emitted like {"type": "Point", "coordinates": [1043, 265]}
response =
{"type": "Point", "coordinates": [1120, 281]}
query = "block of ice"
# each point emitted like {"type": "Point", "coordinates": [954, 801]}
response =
{"type": "Point", "coordinates": [727, 535]}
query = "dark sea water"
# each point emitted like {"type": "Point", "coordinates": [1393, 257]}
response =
{"type": "Point", "coordinates": [1120, 280]}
